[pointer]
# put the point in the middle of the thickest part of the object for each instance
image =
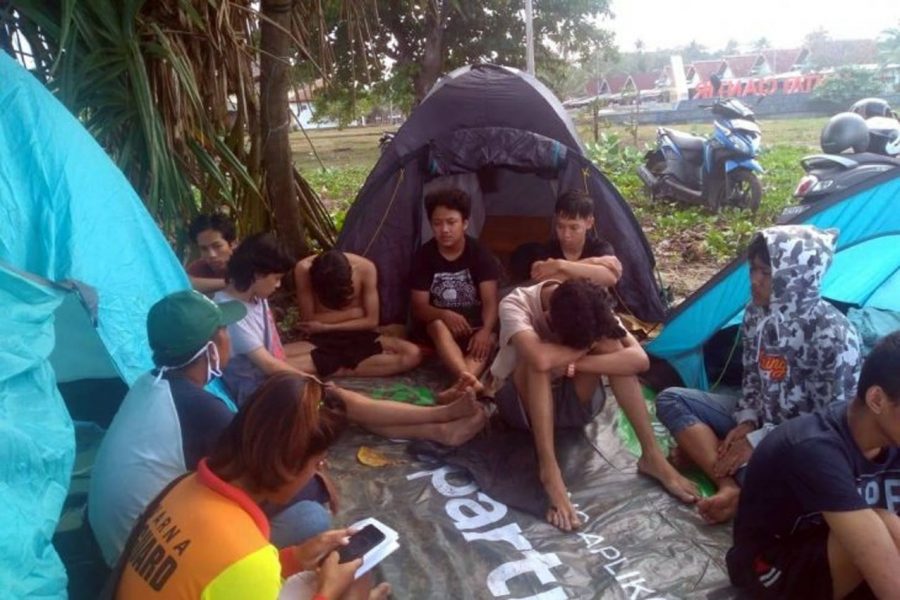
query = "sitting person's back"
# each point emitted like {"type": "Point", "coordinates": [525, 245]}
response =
{"type": "Point", "coordinates": [167, 421]}
{"type": "Point", "coordinates": [206, 535]}
{"type": "Point", "coordinates": [206, 538]}
{"type": "Point", "coordinates": [817, 516]}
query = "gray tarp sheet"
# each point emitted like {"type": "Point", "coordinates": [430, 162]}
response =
{"type": "Point", "coordinates": [638, 542]}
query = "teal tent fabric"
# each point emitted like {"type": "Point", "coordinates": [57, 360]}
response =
{"type": "Point", "coordinates": [873, 324]}
{"type": "Point", "coordinates": [864, 273]}
{"type": "Point", "coordinates": [67, 215]}
{"type": "Point", "coordinates": [67, 212]}
{"type": "Point", "coordinates": [36, 444]}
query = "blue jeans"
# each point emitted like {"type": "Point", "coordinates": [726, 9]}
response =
{"type": "Point", "coordinates": [679, 408]}
{"type": "Point", "coordinates": [299, 522]}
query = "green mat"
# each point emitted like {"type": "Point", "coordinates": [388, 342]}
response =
{"type": "Point", "coordinates": [625, 431]}
{"type": "Point", "coordinates": [419, 395]}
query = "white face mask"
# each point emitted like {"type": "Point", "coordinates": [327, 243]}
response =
{"type": "Point", "coordinates": [212, 358]}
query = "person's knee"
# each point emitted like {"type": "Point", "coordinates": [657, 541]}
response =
{"type": "Point", "coordinates": [299, 522]}
{"type": "Point", "coordinates": [437, 328]}
{"type": "Point", "coordinates": [670, 407]}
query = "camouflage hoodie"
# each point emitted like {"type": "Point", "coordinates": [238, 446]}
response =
{"type": "Point", "coordinates": [800, 352]}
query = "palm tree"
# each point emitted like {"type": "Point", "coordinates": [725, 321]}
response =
{"type": "Point", "coordinates": [170, 90]}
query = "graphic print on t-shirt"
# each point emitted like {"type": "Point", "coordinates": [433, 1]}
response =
{"type": "Point", "coordinates": [454, 290]}
{"type": "Point", "coordinates": [775, 366]}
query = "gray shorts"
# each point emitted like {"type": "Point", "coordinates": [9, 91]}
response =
{"type": "Point", "coordinates": [568, 410]}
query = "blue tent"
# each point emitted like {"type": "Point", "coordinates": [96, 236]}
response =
{"type": "Point", "coordinates": [865, 273]}
{"type": "Point", "coordinates": [81, 262]}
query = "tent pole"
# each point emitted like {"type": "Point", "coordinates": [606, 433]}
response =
{"type": "Point", "coordinates": [529, 38]}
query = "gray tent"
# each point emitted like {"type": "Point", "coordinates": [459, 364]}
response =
{"type": "Point", "coordinates": [502, 136]}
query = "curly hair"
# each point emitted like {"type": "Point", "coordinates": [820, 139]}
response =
{"type": "Point", "coordinates": [281, 427]}
{"type": "Point", "coordinates": [581, 312]}
{"type": "Point", "coordinates": [452, 199]}
{"type": "Point", "coordinates": [331, 276]}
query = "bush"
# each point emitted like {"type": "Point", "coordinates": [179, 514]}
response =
{"type": "Point", "coordinates": [846, 86]}
{"type": "Point", "coordinates": [338, 189]}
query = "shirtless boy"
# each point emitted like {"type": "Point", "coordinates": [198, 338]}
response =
{"type": "Point", "coordinates": [337, 293]}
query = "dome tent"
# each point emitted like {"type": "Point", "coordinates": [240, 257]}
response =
{"type": "Point", "coordinates": [502, 136]}
{"type": "Point", "coordinates": [865, 273]}
{"type": "Point", "coordinates": [81, 262]}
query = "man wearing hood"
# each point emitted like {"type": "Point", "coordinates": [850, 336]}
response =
{"type": "Point", "coordinates": [799, 354]}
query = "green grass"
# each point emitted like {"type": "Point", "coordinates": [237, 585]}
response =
{"type": "Point", "coordinates": [690, 243]}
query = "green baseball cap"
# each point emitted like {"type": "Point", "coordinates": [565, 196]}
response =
{"type": "Point", "coordinates": [180, 324]}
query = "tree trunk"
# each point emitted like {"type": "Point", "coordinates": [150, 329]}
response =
{"type": "Point", "coordinates": [433, 55]}
{"type": "Point", "coordinates": [277, 161]}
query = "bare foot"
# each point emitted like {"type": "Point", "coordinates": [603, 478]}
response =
{"type": "Point", "coordinates": [561, 513]}
{"type": "Point", "coordinates": [721, 506]}
{"type": "Point", "coordinates": [655, 465]}
{"type": "Point", "coordinates": [464, 406]}
{"type": "Point", "coordinates": [460, 431]}
{"type": "Point", "coordinates": [465, 382]}
{"type": "Point", "coordinates": [380, 592]}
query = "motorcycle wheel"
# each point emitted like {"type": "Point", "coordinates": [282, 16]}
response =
{"type": "Point", "coordinates": [742, 189]}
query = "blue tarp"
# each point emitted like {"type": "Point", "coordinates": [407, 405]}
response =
{"type": "Point", "coordinates": [864, 273]}
{"type": "Point", "coordinates": [66, 213]}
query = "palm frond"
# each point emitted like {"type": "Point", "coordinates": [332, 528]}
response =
{"type": "Point", "coordinates": [168, 89]}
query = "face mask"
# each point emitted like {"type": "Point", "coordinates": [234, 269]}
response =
{"type": "Point", "coordinates": [212, 357]}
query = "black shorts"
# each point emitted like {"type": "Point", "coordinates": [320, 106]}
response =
{"type": "Point", "coordinates": [343, 350]}
{"type": "Point", "coordinates": [568, 410]}
{"type": "Point", "coordinates": [795, 567]}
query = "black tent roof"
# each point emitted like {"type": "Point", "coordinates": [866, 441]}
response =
{"type": "Point", "coordinates": [486, 96]}
{"type": "Point", "coordinates": [489, 117]}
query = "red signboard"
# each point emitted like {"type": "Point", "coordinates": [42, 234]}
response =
{"type": "Point", "coordinates": [761, 86]}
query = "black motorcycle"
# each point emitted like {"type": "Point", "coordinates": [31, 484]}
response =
{"type": "Point", "coordinates": [874, 144]}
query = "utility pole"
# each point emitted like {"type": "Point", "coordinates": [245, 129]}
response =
{"type": "Point", "coordinates": [529, 38]}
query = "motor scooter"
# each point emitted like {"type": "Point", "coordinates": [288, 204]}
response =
{"type": "Point", "coordinates": [713, 172]}
{"type": "Point", "coordinates": [826, 174]}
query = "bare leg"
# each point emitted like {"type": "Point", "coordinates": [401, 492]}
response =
{"type": "Point", "coordinates": [398, 356]}
{"type": "Point", "coordinates": [699, 443]}
{"type": "Point", "coordinates": [298, 355]}
{"type": "Point", "coordinates": [845, 575]}
{"type": "Point", "coordinates": [534, 390]}
{"type": "Point", "coordinates": [475, 367]}
{"type": "Point", "coordinates": [447, 348]}
{"type": "Point", "coordinates": [383, 413]}
{"type": "Point", "coordinates": [653, 462]}
{"type": "Point", "coordinates": [450, 433]}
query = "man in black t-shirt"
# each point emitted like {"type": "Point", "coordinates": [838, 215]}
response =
{"type": "Point", "coordinates": [454, 287]}
{"type": "Point", "coordinates": [576, 252]}
{"type": "Point", "coordinates": [817, 516]}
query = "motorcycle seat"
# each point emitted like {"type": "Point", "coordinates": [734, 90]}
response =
{"type": "Point", "coordinates": [685, 141]}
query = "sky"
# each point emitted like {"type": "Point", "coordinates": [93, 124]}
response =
{"type": "Point", "coordinates": [672, 23]}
